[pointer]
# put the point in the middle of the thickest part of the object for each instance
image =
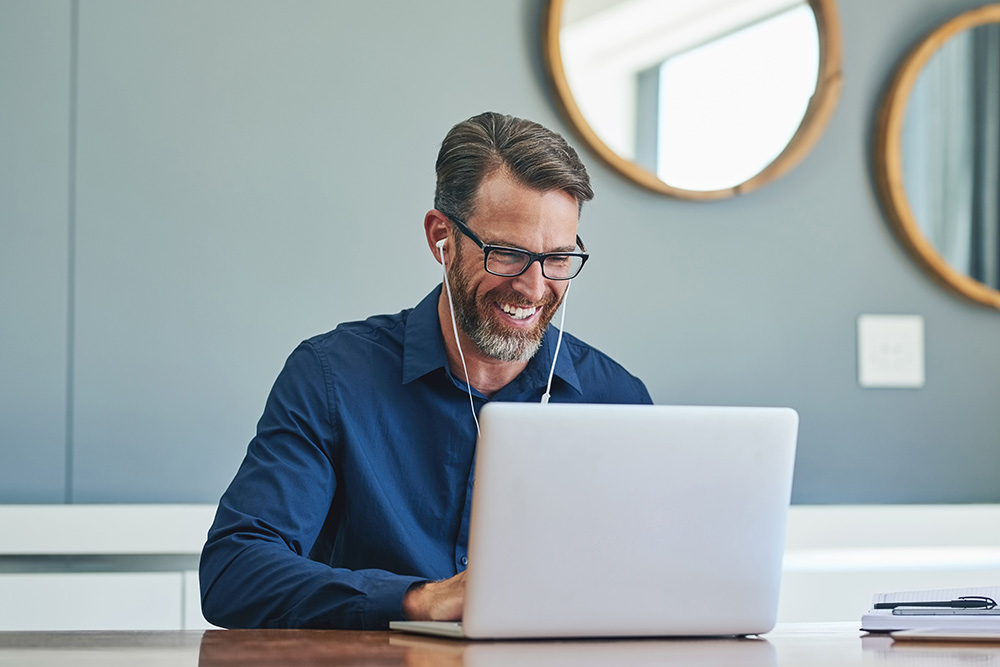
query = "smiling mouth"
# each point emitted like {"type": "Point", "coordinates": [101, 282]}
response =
{"type": "Point", "coordinates": [518, 312]}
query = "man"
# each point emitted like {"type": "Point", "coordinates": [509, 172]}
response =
{"type": "Point", "coordinates": [352, 505]}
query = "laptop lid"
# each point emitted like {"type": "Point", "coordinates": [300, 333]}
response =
{"type": "Point", "coordinates": [625, 520]}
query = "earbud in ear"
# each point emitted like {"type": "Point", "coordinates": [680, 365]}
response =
{"type": "Point", "coordinates": [440, 244]}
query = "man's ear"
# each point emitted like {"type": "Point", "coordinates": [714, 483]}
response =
{"type": "Point", "coordinates": [436, 229]}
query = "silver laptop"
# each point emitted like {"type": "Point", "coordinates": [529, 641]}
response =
{"type": "Point", "coordinates": [625, 521]}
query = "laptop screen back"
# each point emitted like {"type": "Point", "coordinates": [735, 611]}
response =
{"type": "Point", "coordinates": [612, 520]}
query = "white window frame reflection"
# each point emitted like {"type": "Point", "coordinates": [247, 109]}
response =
{"type": "Point", "coordinates": [726, 109]}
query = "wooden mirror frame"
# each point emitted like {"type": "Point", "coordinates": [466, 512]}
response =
{"type": "Point", "coordinates": [889, 160]}
{"type": "Point", "coordinates": [818, 112]}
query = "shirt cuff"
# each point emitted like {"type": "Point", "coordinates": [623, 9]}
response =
{"type": "Point", "coordinates": [384, 602]}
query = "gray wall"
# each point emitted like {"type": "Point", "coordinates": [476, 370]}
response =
{"type": "Point", "coordinates": [187, 189]}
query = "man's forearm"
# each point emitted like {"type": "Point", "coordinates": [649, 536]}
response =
{"type": "Point", "coordinates": [267, 586]}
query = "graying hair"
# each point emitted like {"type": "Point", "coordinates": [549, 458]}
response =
{"type": "Point", "coordinates": [534, 155]}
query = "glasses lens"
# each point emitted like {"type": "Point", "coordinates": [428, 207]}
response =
{"type": "Point", "coordinates": [506, 262]}
{"type": "Point", "coordinates": [561, 267]}
{"type": "Point", "coordinates": [514, 262]}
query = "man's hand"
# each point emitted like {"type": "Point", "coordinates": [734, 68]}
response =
{"type": "Point", "coordinates": [436, 601]}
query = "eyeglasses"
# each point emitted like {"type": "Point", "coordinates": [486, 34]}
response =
{"type": "Point", "coordinates": [510, 262]}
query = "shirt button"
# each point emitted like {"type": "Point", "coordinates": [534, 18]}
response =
{"type": "Point", "coordinates": [465, 560]}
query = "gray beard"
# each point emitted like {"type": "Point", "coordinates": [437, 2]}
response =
{"type": "Point", "coordinates": [502, 347]}
{"type": "Point", "coordinates": [492, 340]}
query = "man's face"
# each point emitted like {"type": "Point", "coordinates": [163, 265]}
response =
{"type": "Point", "coordinates": [506, 317]}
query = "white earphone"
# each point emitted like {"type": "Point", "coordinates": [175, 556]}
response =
{"type": "Point", "coordinates": [451, 307]}
{"type": "Point", "coordinates": [454, 328]}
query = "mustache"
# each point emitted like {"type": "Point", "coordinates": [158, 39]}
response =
{"type": "Point", "coordinates": [500, 295]}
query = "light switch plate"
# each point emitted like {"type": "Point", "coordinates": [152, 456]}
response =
{"type": "Point", "coordinates": [891, 351]}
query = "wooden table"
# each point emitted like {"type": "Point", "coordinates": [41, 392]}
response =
{"type": "Point", "coordinates": [804, 645]}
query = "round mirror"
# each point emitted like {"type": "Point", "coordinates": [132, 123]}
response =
{"type": "Point", "coordinates": [937, 154]}
{"type": "Point", "coordinates": [700, 100]}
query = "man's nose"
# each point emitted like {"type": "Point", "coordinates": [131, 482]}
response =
{"type": "Point", "coordinates": [531, 283]}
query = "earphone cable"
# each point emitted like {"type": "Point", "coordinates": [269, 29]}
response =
{"type": "Point", "coordinates": [555, 355]}
{"type": "Point", "coordinates": [454, 327]}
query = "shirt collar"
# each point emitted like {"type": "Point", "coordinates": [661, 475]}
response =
{"type": "Point", "coordinates": [423, 350]}
{"type": "Point", "coordinates": [423, 344]}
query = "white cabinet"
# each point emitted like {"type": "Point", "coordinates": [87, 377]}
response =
{"type": "Point", "coordinates": [92, 601]}
{"type": "Point", "coordinates": [101, 567]}
{"type": "Point", "coordinates": [838, 556]}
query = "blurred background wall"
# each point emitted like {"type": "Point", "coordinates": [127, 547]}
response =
{"type": "Point", "coordinates": [188, 189]}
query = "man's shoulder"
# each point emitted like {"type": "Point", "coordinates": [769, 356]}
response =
{"type": "Point", "coordinates": [387, 330]}
{"type": "Point", "coordinates": [377, 329]}
{"type": "Point", "coordinates": [581, 350]}
{"type": "Point", "coordinates": [598, 372]}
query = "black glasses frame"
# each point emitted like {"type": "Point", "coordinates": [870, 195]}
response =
{"type": "Point", "coordinates": [533, 257]}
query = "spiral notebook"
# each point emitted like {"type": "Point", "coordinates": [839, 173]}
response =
{"type": "Point", "coordinates": [905, 617]}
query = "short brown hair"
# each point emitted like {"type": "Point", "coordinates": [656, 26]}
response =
{"type": "Point", "coordinates": [531, 153]}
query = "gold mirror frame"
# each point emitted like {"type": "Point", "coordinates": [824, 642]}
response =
{"type": "Point", "coordinates": [889, 160]}
{"type": "Point", "coordinates": [818, 113]}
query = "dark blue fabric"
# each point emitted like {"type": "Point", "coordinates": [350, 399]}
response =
{"type": "Point", "coordinates": [359, 481]}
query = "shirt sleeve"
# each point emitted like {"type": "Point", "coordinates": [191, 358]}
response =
{"type": "Point", "coordinates": [641, 396]}
{"type": "Point", "coordinates": [255, 568]}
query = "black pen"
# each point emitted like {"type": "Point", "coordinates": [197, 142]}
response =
{"type": "Point", "coordinates": [968, 602]}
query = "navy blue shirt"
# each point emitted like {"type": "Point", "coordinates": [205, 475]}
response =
{"type": "Point", "coordinates": [358, 483]}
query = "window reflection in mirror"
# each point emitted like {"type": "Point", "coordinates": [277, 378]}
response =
{"type": "Point", "coordinates": [951, 152]}
{"type": "Point", "coordinates": [701, 97]}
{"type": "Point", "coordinates": [729, 107]}
{"type": "Point", "coordinates": [937, 153]}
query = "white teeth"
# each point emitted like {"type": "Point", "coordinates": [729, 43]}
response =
{"type": "Point", "coordinates": [518, 313]}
